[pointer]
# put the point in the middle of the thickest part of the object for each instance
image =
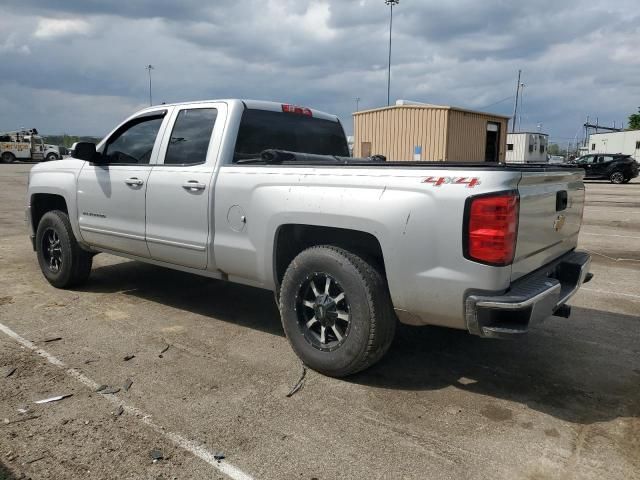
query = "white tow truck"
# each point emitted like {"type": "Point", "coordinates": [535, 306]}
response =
{"type": "Point", "coordinates": [26, 145]}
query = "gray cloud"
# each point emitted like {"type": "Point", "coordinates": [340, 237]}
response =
{"type": "Point", "coordinates": [78, 66]}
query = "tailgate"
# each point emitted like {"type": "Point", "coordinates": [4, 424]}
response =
{"type": "Point", "coordinates": [551, 204]}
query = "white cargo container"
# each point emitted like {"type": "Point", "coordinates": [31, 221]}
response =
{"type": "Point", "coordinates": [627, 143]}
{"type": "Point", "coordinates": [527, 147]}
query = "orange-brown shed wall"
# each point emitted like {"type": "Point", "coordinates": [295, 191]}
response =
{"type": "Point", "coordinates": [468, 136]}
{"type": "Point", "coordinates": [443, 134]}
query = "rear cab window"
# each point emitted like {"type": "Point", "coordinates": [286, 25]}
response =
{"type": "Point", "coordinates": [264, 129]}
{"type": "Point", "coordinates": [190, 136]}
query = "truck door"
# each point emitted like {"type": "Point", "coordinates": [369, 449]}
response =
{"type": "Point", "coordinates": [111, 197]}
{"type": "Point", "coordinates": [37, 148]}
{"type": "Point", "coordinates": [180, 187]}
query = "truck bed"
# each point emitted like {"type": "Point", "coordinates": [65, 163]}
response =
{"type": "Point", "coordinates": [280, 157]}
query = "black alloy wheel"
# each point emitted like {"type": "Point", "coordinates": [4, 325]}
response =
{"type": "Point", "coordinates": [617, 177]}
{"type": "Point", "coordinates": [323, 312]}
{"type": "Point", "coordinates": [336, 310]}
{"type": "Point", "coordinates": [52, 250]}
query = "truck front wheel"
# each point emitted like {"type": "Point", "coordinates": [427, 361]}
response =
{"type": "Point", "coordinates": [336, 311]}
{"type": "Point", "coordinates": [63, 263]}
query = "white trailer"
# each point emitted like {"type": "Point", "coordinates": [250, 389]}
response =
{"type": "Point", "coordinates": [527, 147]}
{"type": "Point", "coordinates": [627, 143]}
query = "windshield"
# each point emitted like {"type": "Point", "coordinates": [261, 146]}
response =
{"type": "Point", "coordinates": [262, 129]}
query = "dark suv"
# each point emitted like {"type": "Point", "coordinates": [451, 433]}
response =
{"type": "Point", "coordinates": [615, 167]}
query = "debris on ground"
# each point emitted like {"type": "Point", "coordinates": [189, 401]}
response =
{"type": "Point", "coordinates": [101, 387]}
{"type": "Point", "coordinates": [166, 347]}
{"type": "Point", "coordinates": [6, 300]}
{"type": "Point", "coordinates": [127, 384]}
{"type": "Point", "coordinates": [23, 410]}
{"type": "Point", "coordinates": [34, 460]}
{"type": "Point", "coordinates": [156, 455]}
{"type": "Point", "coordinates": [10, 371]}
{"type": "Point", "coordinates": [218, 456]}
{"type": "Point", "coordinates": [18, 420]}
{"type": "Point", "coordinates": [54, 399]}
{"type": "Point", "coordinates": [52, 339]}
{"type": "Point", "coordinates": [298, 386]}
{"type": "Point", "coordinates": [90, 360]}
{"type": "Point", "coordinates": [119, 411]}
{"type": "Point", "coordinates": [109, 390]}
{"type": "Point", "coordinates": [129, 357]}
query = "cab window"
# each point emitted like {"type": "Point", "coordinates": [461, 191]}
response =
{"type": "Point", "coordinates": [133, 142]}
{"type": "Point", "coordinates": [190, 137]}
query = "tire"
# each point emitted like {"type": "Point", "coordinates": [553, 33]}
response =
{"type": "Point", "coordinates": [7, 157]}
{"type": "Point", "coordinates": [63, 263]}
{"type": "Point", "coordinates": [617, 177]}
{"type": "Point", "coordinates": [51, 157]}
{"type": "Point", "coordinates": [358, 328]}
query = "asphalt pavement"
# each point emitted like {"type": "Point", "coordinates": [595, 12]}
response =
{"type": "Point", "coordinates": [209, 370]}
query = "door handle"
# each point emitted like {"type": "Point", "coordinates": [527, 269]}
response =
{"type": "Point", "coordinates": [134, 181]}
{"type": "Point", "coordinates": [193, 185]}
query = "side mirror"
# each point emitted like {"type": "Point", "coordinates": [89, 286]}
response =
{"type": "Point", "coordinates": [86, 151]}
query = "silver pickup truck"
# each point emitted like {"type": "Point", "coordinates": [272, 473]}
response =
{"type": "Point", "coordinates": [265, 194]}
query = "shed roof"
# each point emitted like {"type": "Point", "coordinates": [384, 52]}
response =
{"type": "Point", "coordinates": [428, 106]}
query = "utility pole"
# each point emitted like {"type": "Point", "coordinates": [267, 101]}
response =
{"type": "Point", "coordinates": [149, 68]}
{"type": "Point", "coordinates": [357, 104]}
{"type": "Point", "coordinates": [515, 108]}
{"type": "Point", "coordinates": [522, 85]}
{"type": "Point", "coordinates": [391, 4]}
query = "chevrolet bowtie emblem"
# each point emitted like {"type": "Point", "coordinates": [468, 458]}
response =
{"type": "Point", "coordinates": [558, 223]}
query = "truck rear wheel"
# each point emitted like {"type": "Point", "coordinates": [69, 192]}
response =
{"type": "Point", "coordinates": [336, 311]}
{"type": "Point", "coordinates": [63, 263]}
{"type": "Point", "coordinates": [7, 157]}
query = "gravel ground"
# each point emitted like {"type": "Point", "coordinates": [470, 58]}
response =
{"type": "Point", "coordinates": [562, 403]}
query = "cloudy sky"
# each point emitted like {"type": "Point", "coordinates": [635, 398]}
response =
{"type": "Point", "coordinates": [77, 66]}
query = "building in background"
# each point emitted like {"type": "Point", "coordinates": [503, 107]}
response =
{"type": "Point", "coordinates": [419, 131]}
{"type": "Point", "coordinates": [627, 143]}
{"type": "Point", "coordinates": [527, 147]}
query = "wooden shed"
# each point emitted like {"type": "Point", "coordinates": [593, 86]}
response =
{"type": "Point", "coordinates": [407, 131]}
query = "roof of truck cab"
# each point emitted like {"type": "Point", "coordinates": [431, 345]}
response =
{"type": "Point", "coordinates": [254, 104]}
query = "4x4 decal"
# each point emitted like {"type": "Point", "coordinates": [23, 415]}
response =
{"type": "Point", "coordinates": [470, 182]}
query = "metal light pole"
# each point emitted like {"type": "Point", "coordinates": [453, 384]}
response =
{"type": "Point", "coordinates": [149, 68]}
{"type": "Point", "coordinates": [391, 4]}
{"type": "Point", "coordinates": [522, 85]}
{"type": "Point", "coordinates": [515, 108]}
{"type": "Point", "coordinates": [357, 104]}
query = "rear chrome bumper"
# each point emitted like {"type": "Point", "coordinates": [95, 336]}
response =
{"type": "Point", "coordinates": [529, 300]}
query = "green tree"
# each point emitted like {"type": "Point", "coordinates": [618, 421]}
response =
{"type": "Point", "coordinates": [634, 120]}
{"type": "Point", "coordinates": [554, 149]}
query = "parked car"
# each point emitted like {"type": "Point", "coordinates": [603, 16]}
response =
{"type": "Point", "coordinates": [617, 168]}
{"type": "Point", "coordinates": [265, 194]}
{"type": "Point", "coordinates": [556, 159]}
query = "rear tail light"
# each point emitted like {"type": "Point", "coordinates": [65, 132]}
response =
{"type": "Point", "coordinates": [286, 108]}
{"type": "Point", "coordinates": [492, 228]}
